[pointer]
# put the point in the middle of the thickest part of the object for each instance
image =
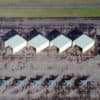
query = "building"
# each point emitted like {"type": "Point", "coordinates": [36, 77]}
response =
{"type": "Point", "coordinates": [16, 43]}
{"type": "Point", "coordinates": [69, 82]}
{"type": "Point", "coordinates": [37, 82]}
{"type": "Point", "coordinates": [83, 82]}
{"type": "Point", "coordinates": [61, 43]}
{"type": "Point", "coordinates": [98, 34]}
{"type": "Point", "coordinates": [84, 43]}
{"type": "Point", "coordinates": [52, 83]}
{"type": "Point", "coordinates": [39, 42]}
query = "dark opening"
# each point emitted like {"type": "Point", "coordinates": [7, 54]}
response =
{"type": "Point", "coordinates": [77, 81]}
{"type": "Point", "coordinates": [38, 77]}
{"type": "Point", "coordinates": [46, 81]}
{"type": "Point", "coordinates": [9, 34]}
{"type": "Point", "coordinates": [75, 33]}
{"type": "Point", "coordinates": [57, 50]}
{"type": "Point", "coordinates": [31, 34]}
{"type": "Point", "coordinates": [53, 34]}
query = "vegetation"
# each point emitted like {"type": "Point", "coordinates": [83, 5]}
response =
{"type": "Point", "coordinates": [47, 1]}
{"type": "Point", "coordinates": [61, 12]}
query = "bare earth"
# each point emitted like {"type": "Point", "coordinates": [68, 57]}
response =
{"type": "Point", "coordinates": [49, 62]}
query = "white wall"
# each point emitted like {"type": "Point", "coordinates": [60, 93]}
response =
{"type": "Point", "coordinates": [73, 44]}
{"type": "Point", "coordinates": [50, 44]}
{"type": "Point", "coordinates": [6, 43]}
{"type": "Point", "coordinates": [88, 47]}
{"type": "Point", "coordinates": [42, 47]}
{"type": "Point", "coordinates": [69, 44]}
{"type": "Point", "coordinates": [20, 47]}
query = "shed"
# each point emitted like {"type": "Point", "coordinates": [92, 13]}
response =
{"type": "Point", "coordinates": [68, 82]}
{"type": "Point", "coordinates": [84, 43]}
{"type": "Point", "coordinates": [52, 83]}
{"type": "Point", "coordinates": [39, 42]}
{"type": "Point", "coordinates": [16, 43]}
{"type": "Point", "coordinates": [61, 43]}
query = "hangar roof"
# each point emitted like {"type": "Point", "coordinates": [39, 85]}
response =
{"type": "Point", "coordinates": [83, 41]}
{"type": "Point", "coordinates": [60, 41]}
{"type": "Point", "coordinates": [38, 41]}
{"type": "Point", "coordinates": [15, 41]}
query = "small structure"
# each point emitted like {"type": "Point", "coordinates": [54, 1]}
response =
{"type": "Point", "coordinates": [37, 82]}
{"type": "Point", "coordinates": [61, 43]}
{"type": "Point", "coordinates": [68, 82]}
{"type": "Point", "coordinates": [16, 43]}
{"type": "Point", "coordinates": [83, 82]}
{"type": "Point", "coordinates": [98, 35]}
{"type": "Point", "coordinates": [39, 42]}
{"type": "Point", "coordinates": [21, 82]}
{"type": "Point", "coordinates": [52, 83]}
{"type": "Point", "coordinates": [5, 82]}
{"type": "Point", "coordinates": [84, 43]}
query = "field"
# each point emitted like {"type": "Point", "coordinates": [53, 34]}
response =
{"type": "Point", "coordinates": [47, 1]}
{"type": "Point", "coordinates": [67, 12]}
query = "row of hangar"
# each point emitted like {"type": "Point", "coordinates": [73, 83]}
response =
{"type": "Point", "coordinates": [40, 42]}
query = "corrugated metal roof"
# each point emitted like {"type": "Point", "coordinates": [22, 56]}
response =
{"type": "Point", "coordinates": [68, 82]}
{"type": "Point", "coordinates": [83, 82]}
{"type": "Point", "coordinates": [52, 83]}
{"type": "Point", "coordinates": [21, 82]}
{"type": "Point", "coordinates": [38, 41]}
{"type": "Point", "coordinates": [15, 41]}
{"type": "Point", "coordinates": [5, 82]}
{"type": "Point", "coordinates": [60, 41]}
{"type": "Point", "coordinates": [83, 41]}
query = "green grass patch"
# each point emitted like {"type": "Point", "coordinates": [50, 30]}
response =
{"type": "Point", "coordinates": [61, 12]}
{"type": "Point", "coordinates": [47, 1]}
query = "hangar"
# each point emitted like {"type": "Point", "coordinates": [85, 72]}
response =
{"type": "Point", "coordinates": [39, 42]}
{"type": "Point", "coordinates": [84, 43]}
{"type": "Point", "coordinates": [16, 43]}
{"type": "Point", "coordinates": [61, 42]}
